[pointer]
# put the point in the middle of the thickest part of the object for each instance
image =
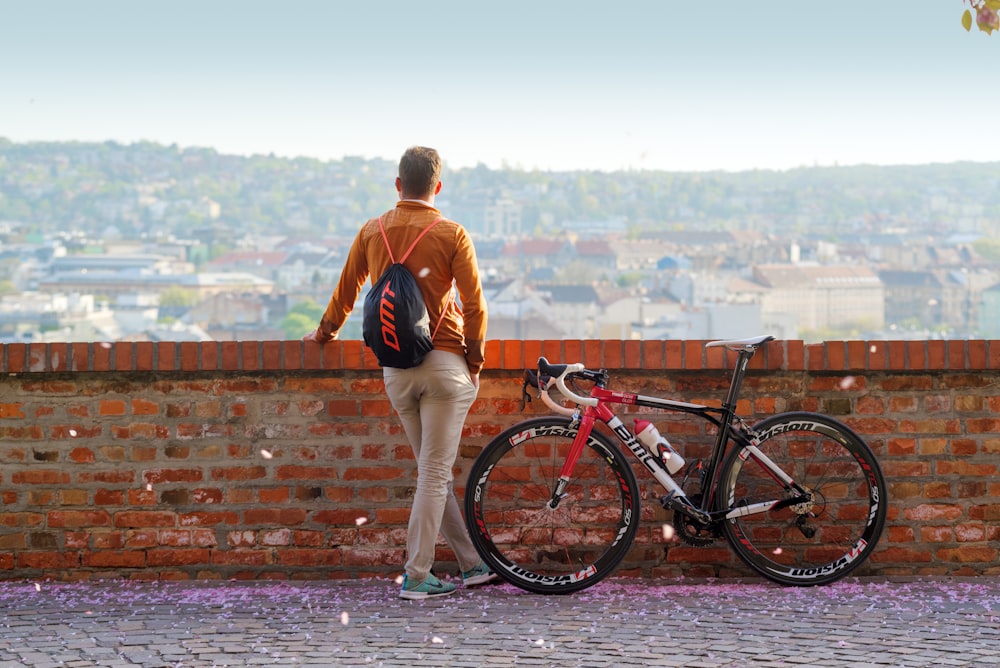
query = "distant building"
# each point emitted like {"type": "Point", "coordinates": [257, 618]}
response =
{"type": "Point", "coordinates": [93, 262]}
{"type": "Point", "coordinates": [822, 297]}
{"type": "Point", "coordinates": [208, 208]}
{"type": "Point", "coordinates": [631, 315]}
{"type": "Point", "coordinates": [517, 311]}
{"type": "Point", "coordinates": [912, 297]}
{"type": "Point", "coordinates": [502, 218]}
{"type": "Point", "coordinates": [526, 254]}
{"type": "Point", "coordinates": [641, 253]}
{"type": "Point", "coordinates": [989, 313]}
{"type": "Point", "coordinates": [595, 228]}
{"type": "Point", "coordinates": [259, 263]}
{"type": "Point", "coordinates": [597, 253]}
{"type": "Point", "coordinates": [713, 321]}
{"type": "Point", "coordinates": [239, 316]}
{"type": "Point", "coordinates": [111, 284]}
{"type": "Point", "coordinates": [575, 308]}
{"type": "Point", "coordinates": [174, 331]}
{"type": "Point", "coordinates": [305, 269]}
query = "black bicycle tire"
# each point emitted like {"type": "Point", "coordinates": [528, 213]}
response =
{"type": "Point", "coordinates": [481, 517]}
{"type": "Point", "coordinates": [768, 562]}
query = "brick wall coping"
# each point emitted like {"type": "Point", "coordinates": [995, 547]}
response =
{"type": "Point", "coordinates": [252, 356]}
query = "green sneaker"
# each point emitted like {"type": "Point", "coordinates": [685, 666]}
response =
{"type": "Point", "coordinates": [429, 588]}
{"type": "Point", "coordinates": [479, 575]}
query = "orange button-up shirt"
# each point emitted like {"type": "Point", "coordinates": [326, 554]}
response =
{"type": "Point", "coordinates": [443, 258]}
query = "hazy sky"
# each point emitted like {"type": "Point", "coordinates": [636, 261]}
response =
{"type": "Point", "coordinates": [553, 84]}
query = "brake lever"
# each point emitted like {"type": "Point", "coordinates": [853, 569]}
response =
{"type": "Point", "coordinates": [530, 378]}
{"type": "Point", "coordinates": [535, 380]}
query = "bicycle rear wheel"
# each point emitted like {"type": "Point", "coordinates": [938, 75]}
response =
{"type": "Point", "coordinates": [811, 543]}
{"type": "Point", "coordinates": [537, 547]}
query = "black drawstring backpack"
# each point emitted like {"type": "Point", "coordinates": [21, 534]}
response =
{"type": "Point", "coordinates": [396, 325]}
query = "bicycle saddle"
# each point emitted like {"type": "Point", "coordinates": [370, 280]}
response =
{"type": "Point", "coordinates": [736, 344]}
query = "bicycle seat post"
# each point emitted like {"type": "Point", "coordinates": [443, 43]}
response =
{"type": "Point", "coordinates": [742, 360]}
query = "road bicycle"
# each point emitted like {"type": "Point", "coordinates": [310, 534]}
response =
{"type": "Point", "coordinates": [553, 506]}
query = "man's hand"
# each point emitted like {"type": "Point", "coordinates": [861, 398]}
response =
{"type": "Point", "coordinates": [311, 336]}
{"type": "Point", "coordinates": [314, 336]}
{"type": "Point", "coordinates": [475, 379]}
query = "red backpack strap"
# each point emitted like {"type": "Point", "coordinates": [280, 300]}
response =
{"type": "Point", "coordinates": [451, 291]}
{"type": "Point", "coordinates": [386, 240]}
{"type": "Point", "coordinates": [415, 241]}
{"type": "Point", "coordinates": [451, 298]}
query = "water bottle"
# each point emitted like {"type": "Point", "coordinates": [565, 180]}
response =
{"type": "Point", "coordinates": [649, 436]}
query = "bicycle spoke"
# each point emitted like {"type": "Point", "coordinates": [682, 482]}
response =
{"type": "Point", "coordinates": [532, 544]}
{"type": "Point", "coordinates": [819, 540]}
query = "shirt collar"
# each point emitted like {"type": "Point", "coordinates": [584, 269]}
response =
{"type": "Point", "coordinates": [415, 204]}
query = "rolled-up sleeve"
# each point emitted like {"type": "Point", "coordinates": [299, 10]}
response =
{"type": "Point", "coordinates": [352, 278]}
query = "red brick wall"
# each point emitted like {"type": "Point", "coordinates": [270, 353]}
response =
{"type": "Point", "coordinates": [257, 459]}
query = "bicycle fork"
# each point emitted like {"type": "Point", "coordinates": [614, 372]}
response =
{"type": "Point", "coordinates": [585, 424]}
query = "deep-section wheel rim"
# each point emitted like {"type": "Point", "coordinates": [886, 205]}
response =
{"type": "Point", "coordinates": [537, 547]}
{"type": "Point", "coordinates": [819, 541]}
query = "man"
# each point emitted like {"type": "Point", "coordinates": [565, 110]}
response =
{"type": "Point", "coordinates": [432, 399]}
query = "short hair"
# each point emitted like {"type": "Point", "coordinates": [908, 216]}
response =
{"type": "Point", "coordinates": [419, 170]}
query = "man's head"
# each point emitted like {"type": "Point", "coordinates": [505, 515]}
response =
{"type": "Point", "coordinates": [419, 173]}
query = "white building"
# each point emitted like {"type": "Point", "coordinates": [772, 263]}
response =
{"type": "Point", "coordinates": [822, 296]}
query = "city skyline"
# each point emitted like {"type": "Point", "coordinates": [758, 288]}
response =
{"type": "Point", "coordinates": [679, 86]}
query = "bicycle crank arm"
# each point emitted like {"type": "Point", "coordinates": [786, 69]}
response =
{"type": "Point", "coordinates": [677, 505]}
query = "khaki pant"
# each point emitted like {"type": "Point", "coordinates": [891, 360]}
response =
{"type": "Point", "coordinates": [432, 401]}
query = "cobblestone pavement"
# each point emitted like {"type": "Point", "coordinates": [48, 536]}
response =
{"type": "Point", "coordinates": [622, 622]}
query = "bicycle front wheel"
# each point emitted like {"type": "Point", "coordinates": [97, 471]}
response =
{"type": "Point", "coordinates": [543, 547]}
{"type": "Point", "coordinates": [814, 542]}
